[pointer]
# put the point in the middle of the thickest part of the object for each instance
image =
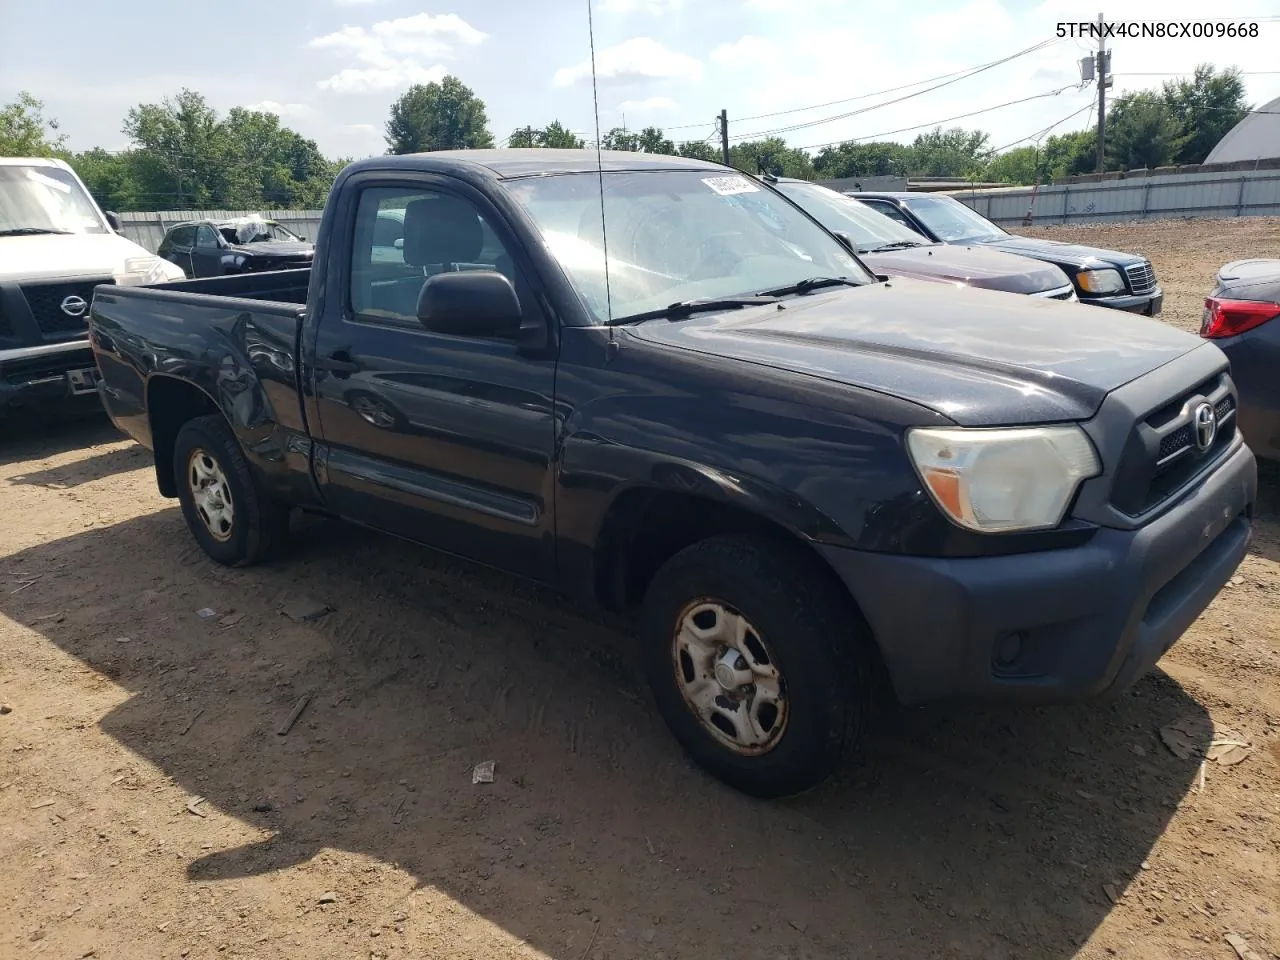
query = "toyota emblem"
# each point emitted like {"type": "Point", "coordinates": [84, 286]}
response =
{"type": "Point", "coordinates": [1205, 424]}
{"type": "Point", "coordinates": [74, 306]}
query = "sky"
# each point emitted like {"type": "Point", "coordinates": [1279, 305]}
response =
{"type": "Point", "coordinates": [331, 68]}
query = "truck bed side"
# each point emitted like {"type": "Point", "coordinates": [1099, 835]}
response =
{"type": "Point", "coordinates": [227, 344]}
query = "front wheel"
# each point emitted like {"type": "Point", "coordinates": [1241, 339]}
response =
{"type": "Point", "coordinates": [226, 510]}
{"type": "Point", "coordinates": [757, 664]}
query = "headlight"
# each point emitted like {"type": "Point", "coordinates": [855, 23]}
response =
{"type": "Point", "coordinates": [1100, 281]}
{"type": "Point", "coordinates": [1000, 480]}
{"type": "Point", "coordinates": [140, 271]}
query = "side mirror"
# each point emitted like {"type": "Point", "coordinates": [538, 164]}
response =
{"type": "Point", "coordinates": [113, 220]}
{"type": "Point", "coordinates": [846, 240]}
{"type": "Point", "coordinates": [471, 303]}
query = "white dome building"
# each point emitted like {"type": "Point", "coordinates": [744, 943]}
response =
{"type": "Point", "coordinates": [1256, 137]}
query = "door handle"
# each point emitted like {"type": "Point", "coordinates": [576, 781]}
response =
{"type": "Point", "coordinates": [339, 363]}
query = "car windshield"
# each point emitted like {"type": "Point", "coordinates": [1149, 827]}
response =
{"type": "Point", "coordinates": [39, 199]}
{"type": "Point", "coordinates": [865, 227]}
{"type": "Point", "coordinates": [254, 231]}
{"type": "Point", "coordinates": [676, 235]}
{"type": "Point", "coordinates": [952, 220]}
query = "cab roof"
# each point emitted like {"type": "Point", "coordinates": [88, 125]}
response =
{"type": "Point", "coordinates": [531, 162]}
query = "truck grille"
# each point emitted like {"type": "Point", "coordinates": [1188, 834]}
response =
{"type": "Point", "coordinates": [1142, 277]}
{"type": "Point", "coordinates": [1164, 454]}
{"type": "Point", "coordinates": [45, 301]}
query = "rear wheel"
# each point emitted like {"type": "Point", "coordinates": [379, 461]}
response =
{"type": "Point", "coordinates": [757, 664]}
{"type": "Point", "coordinates": [226, 510]}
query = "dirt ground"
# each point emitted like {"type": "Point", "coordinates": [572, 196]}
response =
{"type": "Point", "coordinates": [151, 808]}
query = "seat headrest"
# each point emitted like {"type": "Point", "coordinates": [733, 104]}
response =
{"type": "Point", "coordinates": [441, 230]}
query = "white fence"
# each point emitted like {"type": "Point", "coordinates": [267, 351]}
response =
{"type": "Point", "coordinates": [1252, 193]}
{"type": "Point", "coordinates": [148, 229]}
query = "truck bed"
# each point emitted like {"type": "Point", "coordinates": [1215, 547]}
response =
{"type": "Point", "coordinates": [279, 286]}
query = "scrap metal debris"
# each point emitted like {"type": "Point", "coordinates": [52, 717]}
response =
{"type": "Point", "coordinates": [483, 772]}
{"type": "Point", "coordinates": [1186, 736]}
{"type": "Point", "coordinates": [204, 613]}
{"type": "Point", "coordinates": [293, 717]}
{"type": "Point", "coordinates": [1228, 750]}
{"type": "Point", "coordinates": [193, 807]}
{"type": "Point", "coordinates": [304, 608]}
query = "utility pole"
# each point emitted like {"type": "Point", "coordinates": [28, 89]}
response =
{"type": "Point", "coordinates": [724, 136]}
{"type": "Point", "coordinates": [1101, 74]}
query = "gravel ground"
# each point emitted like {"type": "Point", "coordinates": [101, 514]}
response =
{"type": "Point", "coordinates": [150, 807]}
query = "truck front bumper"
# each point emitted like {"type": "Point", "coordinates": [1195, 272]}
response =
{"type": "Point", "coordinates": [1060, 625]}
{"type": "Point", "coordinates": [49, 377]}
{"type": "Point", "coordinates": [1148, 304]}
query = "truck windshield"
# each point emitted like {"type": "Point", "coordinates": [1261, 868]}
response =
{"type": "Point", "coordinates": [677, 235]}
{"type": "Point", "coordinates": [35, 200]}
{"type": "Point", "coordinates": [953, 221]}
{"type": "Point", "coordinates": [867, 229]}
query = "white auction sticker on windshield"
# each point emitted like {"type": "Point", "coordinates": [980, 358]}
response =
{"type": "Point", "coordinates": [730, 186]}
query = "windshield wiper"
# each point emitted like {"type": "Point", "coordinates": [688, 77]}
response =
{"type": "Point", "coordinates": [813, 283]}
{"type": "Point", "coordinates": [28, 231]}
{"type": "Point", "coordinates": [684, 308]}
{"type": "Point", "coordinates": [897, 245]}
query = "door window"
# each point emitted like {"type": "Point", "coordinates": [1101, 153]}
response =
{"type": "Point", "coordinates": [206, 239]}
{"type": "Point", "coordinates": [405, 237]}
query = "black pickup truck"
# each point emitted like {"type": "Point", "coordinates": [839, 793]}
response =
{"type": "Point", "coordinates": [797, 477]}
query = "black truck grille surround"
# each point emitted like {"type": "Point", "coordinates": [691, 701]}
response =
{"type": "Point", "coordinates": [1163, 453]}
{"type": "Point", "coordinates": [1142, 277]}
{"type": "Point", "coordinates": [45, 302]}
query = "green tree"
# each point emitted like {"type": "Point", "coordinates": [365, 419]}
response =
{"type": "Point", "coordinates": [1204, 108]}
{"type": "Point", "coordinates": [1059, 156]}
{"type": "Point", "coordinates": [554, 136]}
{"type": "Point", "coordinates": [849, 159]}
{"type": "Point", "coordinates": [26, 132]}
{"type": "Point", "coordinates": [621, 139]}
{"type": "Point", "coordinates": [771, 156]}
{"type": "Point", "coordinates": [1141, 132]}
{"type": "Point", "coordinates": [111, 178]}
{"type": "Point", "coordinates": [438, 116]}
{"type": "Point", "coordinates": [699, 150]}
{"type": "Point", "coordinates": [183, 155]}
{"type": "Point", "coordinates": [948, 153]}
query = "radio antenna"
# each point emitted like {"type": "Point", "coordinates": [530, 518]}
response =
{"type": "Point", "coordinates": [604, 238]}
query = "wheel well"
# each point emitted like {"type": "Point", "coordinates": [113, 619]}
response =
{"type": "Point", "coordinates": [170, 404]}
{"type": "Point", "coordinates": [646, 528]}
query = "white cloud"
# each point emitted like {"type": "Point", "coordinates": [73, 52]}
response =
{"type": "Point", "coordinates": [745, 51]}
{"type": "Point", "coordinates": [637, 59]}
{"type": "Point", "coordinates": [354, 3]}
{"type": "Point", "coordinates": [389, 54]}
{"type": "Point", "coordinates": [283, 110]}
{"type": "Point", "coordinates": [647, 105]}
{"type": "Point", "coordinates": [654, 7]}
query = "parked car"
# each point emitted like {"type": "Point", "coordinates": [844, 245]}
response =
{"type": "Point", "coordinates": [891, 249]}
{"type": "Point", "coordinates": [213, 248]}
{"type": "Point", "coordinates": [784, 470]}
{"type": "Point", "coordinates": [56, 245]}
{"type": "Point", "coordinates": [1242, 316]}
{"type": "Point", "coordinates": [1103, 278]}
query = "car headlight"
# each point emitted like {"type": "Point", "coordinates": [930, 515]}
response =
{"type": "Point", "coordinates": [1100, 281]}
{"type": "Point", "coordinates": [1003, 479]}
{"type": "Point", "coordinates": [141, 271]}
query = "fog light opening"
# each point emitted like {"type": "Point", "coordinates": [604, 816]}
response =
{"type": "Point", "coordinates": [1009, 649]}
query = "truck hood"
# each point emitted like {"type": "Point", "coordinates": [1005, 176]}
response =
{"type": "Point", "coordinates": [56, 256]}
{"type": "Point", "coordinates": [978, 357]}
{"type": "Point", "coordinates": [1073, 254]}
{"type": "Point", "coordinates": [276, 248]}
{"type": "Point", "coordinates": [971, 266]}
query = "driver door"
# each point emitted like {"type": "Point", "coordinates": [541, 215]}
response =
{"type": "Point", "coordinates": [445, 438]}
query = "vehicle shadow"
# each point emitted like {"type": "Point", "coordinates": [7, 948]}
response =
{"type": "Point", "coordinates": [23, 438]}
{"type": "Point", "coordinates": [99, 467]}
{"type": "Point", "coordinates": [970, 832]}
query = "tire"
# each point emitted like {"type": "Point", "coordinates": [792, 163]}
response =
{"type": "Point", "coordinates": [207, 454]}
{"type": "Point", "coordinates": [806, 631]}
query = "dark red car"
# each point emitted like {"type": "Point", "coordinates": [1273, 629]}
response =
{"type": "Point", "coordinates": [889, 248]}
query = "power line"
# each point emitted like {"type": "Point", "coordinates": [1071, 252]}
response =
{"type": "Point", "coordinates": [932, 123]}
{"type": "Point", "coordinates": [886, 103]}
{"type": "Point", "coordinates": [1040, 133]}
